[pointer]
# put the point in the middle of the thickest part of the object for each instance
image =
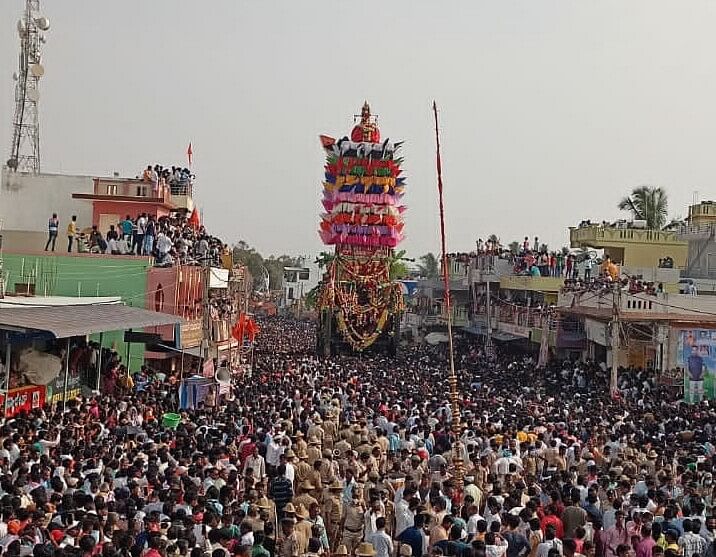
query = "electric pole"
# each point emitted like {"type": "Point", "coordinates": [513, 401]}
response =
{"type": "Point", "coordinates": [616, 302]}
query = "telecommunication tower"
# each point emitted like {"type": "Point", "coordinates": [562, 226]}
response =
{"type": "Point", "coordinates": [25, 153]}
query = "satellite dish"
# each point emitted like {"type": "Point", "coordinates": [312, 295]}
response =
{"type": "Point", "coordinates": [12, 163]}
{"type": "Point", "coordinates": [33, 95]}
{"type": "Point", "coordinates": [37, 70]}
{"type": "Point", "coordinates": [42, 23]}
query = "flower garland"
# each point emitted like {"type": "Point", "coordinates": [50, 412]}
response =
{"type": "Point", "coordinates": [360, 341]}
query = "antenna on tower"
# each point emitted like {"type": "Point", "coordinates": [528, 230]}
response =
{"type": "Point", "coordinates": [25, 152]}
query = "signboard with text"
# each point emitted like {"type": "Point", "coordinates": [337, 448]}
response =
{"type": "Point", "coordinates": [23, 399]}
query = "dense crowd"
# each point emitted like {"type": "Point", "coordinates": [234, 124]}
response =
{"type": "Point", "coordinates": [356, 456]}
{"type": "Point", "coordinates": [170, 239]}
{"type": "Point", "coordinates": [178, 179]}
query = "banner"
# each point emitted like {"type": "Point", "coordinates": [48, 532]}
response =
{"type": "Point", "coordinates": [697, 357]}
{"type": "Point", "coordinates": [23, 399]}
{"type": "Point", "coordinates": [56, 387]}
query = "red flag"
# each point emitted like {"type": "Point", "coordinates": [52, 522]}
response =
{"type": "Point", "coordinates": [194, 220]}
{"type": "Point", "coordinates": [252, 329]}
{"type": "Point", "coordinates": [237, 331]}
{"type": "Point", "coordinates": [189, 153]}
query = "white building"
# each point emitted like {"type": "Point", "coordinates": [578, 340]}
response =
{"type": "Point", "coordinates": [27, 201]}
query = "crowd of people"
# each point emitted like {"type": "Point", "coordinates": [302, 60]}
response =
{"type": "Point", "coordinates": [170, 239]}
{"type": "Point", "coordinates": [357, 456]}
{"type": "Point", "coordinates": [177, 178]}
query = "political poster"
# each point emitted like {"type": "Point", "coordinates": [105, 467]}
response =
{"type": "Point", "coordinates": [697, 357]}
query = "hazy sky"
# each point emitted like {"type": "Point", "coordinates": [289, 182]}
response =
{"type": "Point", "coordinates": [550, 111]}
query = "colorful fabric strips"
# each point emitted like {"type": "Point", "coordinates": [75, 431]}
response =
{"type": "Point", "coordinates": [362, 195]}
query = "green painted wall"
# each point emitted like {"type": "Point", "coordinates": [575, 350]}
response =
{"type": "Point", "coordinates": [86, 275]}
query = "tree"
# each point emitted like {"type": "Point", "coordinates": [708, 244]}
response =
{"type": "Point", "coordinates": [649, 204]}
{"type": "Point", "coordinates": [398, 268]}
{"type": "Point", "coordinates": [429, 266]}
{"type": "Point", "coordinates": [514, 247]}
{"type": "Point", "coordinates": [324, 259]}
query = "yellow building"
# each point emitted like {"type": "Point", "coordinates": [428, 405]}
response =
{"type": "Point", "coordinates": [632, 247]}
{"type": "Point", "coordinates": [703, 214]}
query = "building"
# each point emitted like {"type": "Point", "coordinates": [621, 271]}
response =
{"type": "Point", "coordinates": [297, 282]}
{"type": "Point", "coordinates": [654, 331]}
{"type": "Point", "coordinates": [189, 292]}
{"type": "Point", "coordinates": [631, 246]}
{"type": "Point", "coordinates": [700, 234]}
{"type": "Point", "coordinates": [27, 201]}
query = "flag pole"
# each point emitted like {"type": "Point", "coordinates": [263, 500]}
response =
{"type": "Point", "coordinates": [452, 377]}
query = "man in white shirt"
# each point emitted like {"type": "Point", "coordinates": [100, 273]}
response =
{"type": "Point", "coordinates": [473, 519]}
{"type": "Point", "coordinates": [381, 541]}
{"type": "Point", "coordinates": [404, 516]}
{"type": "Point", "coordinates": [256, 463]}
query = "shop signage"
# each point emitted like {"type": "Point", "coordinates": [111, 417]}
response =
{"type": "Point", "coordinates": [23, 399]}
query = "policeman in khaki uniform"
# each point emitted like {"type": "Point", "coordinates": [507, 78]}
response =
{"type": "Point", "coordinates": [305, 498]}
{"type": "Point", "coordinates": [330, 431]}
{"type": "Point", "coordinates": [316, 429]}
{"type": "Point", "coordinates": [288, 542]}
{"type": "Point", "coordinates": [314, 450]}
{"type": "Point", "coordinates": [303, 469]}
{"type": "Point", "coordinates": [303, 528]}
{"type": "Point", "coordinates": [353, 522]}
{"type": "Point", "coordinates": [301, 446]}
{"type": "Point", "coordinates": [333, 512]}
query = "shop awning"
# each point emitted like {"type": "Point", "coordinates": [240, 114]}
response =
{"type": "Point", "coordinates": [505, 337]}
{"type": "Point", "coordinates": [71, 321]}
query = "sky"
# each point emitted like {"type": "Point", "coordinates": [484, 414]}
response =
{"type": "Point", "coordinates": [550, 111]}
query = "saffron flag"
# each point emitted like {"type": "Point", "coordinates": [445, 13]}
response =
{"type": "Point", "coordinates": [252, 329]}
{"type": "Point", "coordinates": [194, 220]}
{"type": "Point", "coordinates": [189, 153]}
{"type": "Point", "coordinates": [239, 328]}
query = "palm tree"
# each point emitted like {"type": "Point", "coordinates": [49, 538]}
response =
{"type": "Point", "coordinates": [398, 267]}
{"type": "Point", "coordinates": [649, 204]}
{"type": "Point", "coordinates": [324, 259]}
{"type": "Point", "coordinates": [429, 266]}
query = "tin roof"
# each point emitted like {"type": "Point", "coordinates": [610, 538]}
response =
{"type": "Point", "coordinates": [69, 321]}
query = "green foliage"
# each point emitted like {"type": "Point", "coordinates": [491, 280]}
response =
{"type": "Point", "coordinates": [429, 267]}
{"type": "Point", "coordinates": [258, 266]}
{"type": "Point", "coordinates": [514, 247]}
{"type": "Point", "coordinates": [649, 204]}
{"type": "Point", "coordinates": [311, 299]}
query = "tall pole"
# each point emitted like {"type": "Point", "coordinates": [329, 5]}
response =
{"type": "Point", "coordinates": [99, 362]}
{"type": "Point", "coordinates": [616, 301]}
{"type": "Point", "coordinates": [8, 361]}
{"type": "Point", "coordinates": [452, 378]}
{"type": "Point", "coordinates": [488, 319]}
{"type": "Point", "coordinates": [67, 375]}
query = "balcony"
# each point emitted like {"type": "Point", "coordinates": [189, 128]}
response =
{"type": "Point", "coordinates": [597, 236]}
{"type": "Point", "coordinates": [530, 283]}
{"type": "Point", "coordinates": [660, 306]}
{"type": "Point", "coordinates": [176, 196]}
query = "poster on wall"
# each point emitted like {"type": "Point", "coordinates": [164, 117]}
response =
{"type": "Point", "coordinates": [697, 357]}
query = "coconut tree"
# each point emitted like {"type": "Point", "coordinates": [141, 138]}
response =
{"type": "Point", "coordinates": [649, 204]}
{"type": "Point", "coordinates": [429, 267]}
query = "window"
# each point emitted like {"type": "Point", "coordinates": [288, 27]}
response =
{"type": "Point", "coordinates": [290, 293]}
{"type": "Point", "coordinates": [304, 275]}
{"type": "Point", "coordinates": [111, 189]}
